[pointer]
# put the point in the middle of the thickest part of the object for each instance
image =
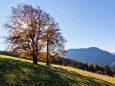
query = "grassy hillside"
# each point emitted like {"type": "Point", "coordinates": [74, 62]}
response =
{"type": "Point", "coordinates": [19, 72]}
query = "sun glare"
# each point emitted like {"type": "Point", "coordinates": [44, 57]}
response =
{"type": "Point", "coordinates": [24, 25]}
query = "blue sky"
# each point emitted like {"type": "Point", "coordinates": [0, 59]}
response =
{"type": "Point", "coordinates": [84, 23]}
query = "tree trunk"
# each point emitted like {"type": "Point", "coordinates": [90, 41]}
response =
{"type": "Point", "coordinates": [47, 59]}
{"type": "Point", "coordinates": [35, 59]}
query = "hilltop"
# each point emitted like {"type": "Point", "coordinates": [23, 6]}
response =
{"type": "Point", "coordinates": [16, 71]}
{"type": "Point", "coordinates": [91, 55]}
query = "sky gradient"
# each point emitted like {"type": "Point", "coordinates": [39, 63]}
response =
{"type": "Point", "coordinates": [84, 23]}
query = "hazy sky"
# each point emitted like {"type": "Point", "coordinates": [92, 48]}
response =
{"type": "Point", "coordinates": [84, 23]}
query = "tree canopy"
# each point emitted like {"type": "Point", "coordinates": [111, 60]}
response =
{"type": "Point", "coordinates": [32, 30]}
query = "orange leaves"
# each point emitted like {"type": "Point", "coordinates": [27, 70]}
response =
{"type": "Point", "coordinates": [42, 56]}
{"type": "Point", "coordinates": [54, 57]}
{"type": "Point", "coordinates": [23, 54]}
{"type": "Point", "coordinates": [40, 46]}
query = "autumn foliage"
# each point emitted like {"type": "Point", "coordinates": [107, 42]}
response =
{"type": "Point", "coordinates": [33, 33]}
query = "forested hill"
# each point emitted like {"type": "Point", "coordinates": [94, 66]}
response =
{"type": "Point", "coordinates": [91, 55]}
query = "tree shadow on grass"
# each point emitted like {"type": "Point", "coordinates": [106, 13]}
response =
{"type": "Point", "coordinates": [19, 73]}
{"type": "Point", "coordinates": [76, 79]}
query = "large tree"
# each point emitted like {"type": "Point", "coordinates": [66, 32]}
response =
{"type": "Point", "coordinates": [26, 25]}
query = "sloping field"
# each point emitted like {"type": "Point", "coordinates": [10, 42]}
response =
{"type": "Point", "coordinates": [20, 72]}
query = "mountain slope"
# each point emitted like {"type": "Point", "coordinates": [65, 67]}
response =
{"type": "Point", "coordinates": [18, 72]}
{"type": "Point", "coordinates": [113, 53]}
{"type": "Point", "coordinates": [91, 55]}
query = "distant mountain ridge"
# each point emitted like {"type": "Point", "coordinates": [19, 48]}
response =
{"type": "Point", "coordinates": [91, 55]}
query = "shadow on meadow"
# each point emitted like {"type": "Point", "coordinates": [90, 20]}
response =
{"type": "Point", "coordinates": [81, 80]}
{"type": "Point", "coordinates": [14, 72]}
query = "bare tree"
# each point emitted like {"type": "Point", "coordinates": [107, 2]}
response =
{"type": "Point", "coordinates": [25, 26]}
{"type": "Point", "coordinates": [54, 42]}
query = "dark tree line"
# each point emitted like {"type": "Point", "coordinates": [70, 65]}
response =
{"type": "Point", "coordinates": [105, 70]}
{"type": "Point", "coordinates": [8, 53]}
